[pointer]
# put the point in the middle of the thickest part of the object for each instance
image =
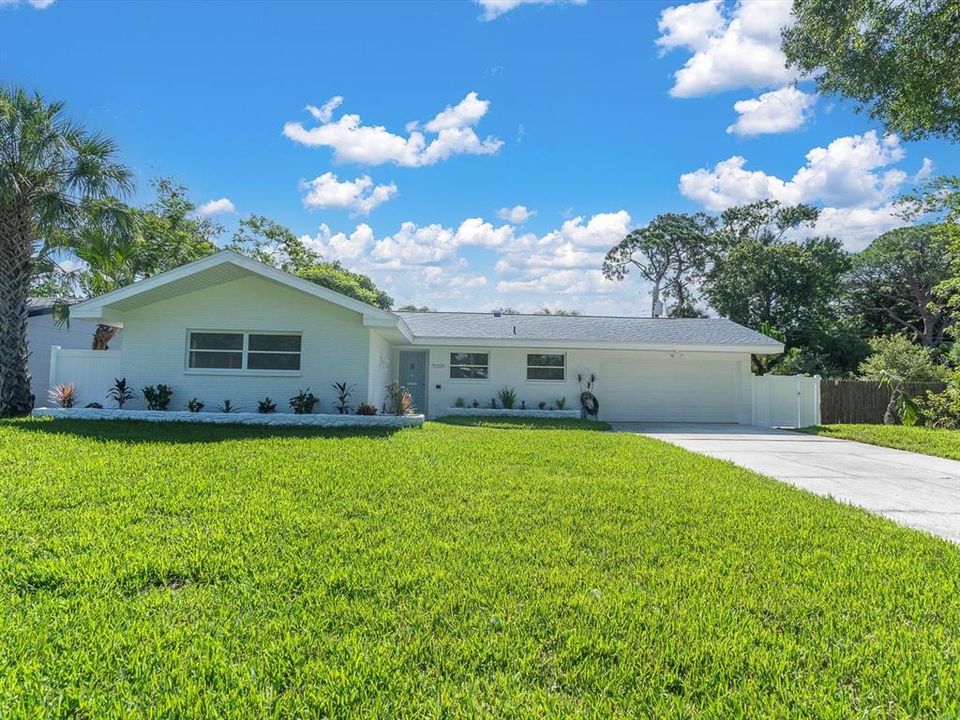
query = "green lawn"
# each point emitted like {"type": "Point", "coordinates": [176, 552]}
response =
{"type": "Point", "coordinates": [942, 443]}
{"type": "Point", "coordinates": [509, 571]}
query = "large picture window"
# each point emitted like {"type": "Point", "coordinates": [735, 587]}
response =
{"type": "Point", "coordinates": [546, 366]}
{"type": "Point", "coordinates": [469, 366]}
{"type": "Point", "coordinates": [243, 351]}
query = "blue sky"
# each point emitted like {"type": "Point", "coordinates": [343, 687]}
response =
{"type": "Point", "coordinates": [593, 117]}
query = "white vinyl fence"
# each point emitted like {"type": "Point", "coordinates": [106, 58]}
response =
{"type": "Point", "coordinates": [91, 371]}
{"type": "Point", "coordinates": [786, 400]}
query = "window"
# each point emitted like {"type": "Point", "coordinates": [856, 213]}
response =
{"type": "Point", "coordinates": [243, 351]}
{"type": "Point", "coordinates": [546, 366]}
{"type": "Point", "coordinates": [469, 366]}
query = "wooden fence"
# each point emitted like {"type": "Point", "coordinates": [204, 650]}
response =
{"type": "Point", "coordinates": [861, 401]}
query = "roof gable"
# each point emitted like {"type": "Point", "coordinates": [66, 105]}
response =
{"type": "Point", "coordinates": [210, 271]}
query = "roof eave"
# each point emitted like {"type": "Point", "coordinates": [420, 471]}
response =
{"type": "Point", "coordinates": [753, 349]}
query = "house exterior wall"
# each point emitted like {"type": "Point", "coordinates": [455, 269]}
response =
{"type": "Point", "coordinates": [633, 385]}
{"type": "Point", "coordinates": [381, 370]}
{"type": "Point", "coordinates": [42, 333]}
{"type": "Point", "coordinates": [335, 346]}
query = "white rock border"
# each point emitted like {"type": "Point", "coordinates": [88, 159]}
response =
{"type": "Point", "coordinates": [501, 412]}
{"type": "Point", "coordinates": [322, 420]}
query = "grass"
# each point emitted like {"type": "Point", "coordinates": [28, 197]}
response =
{"type": "Point", "coordinates": [928, 441]}
{"type": "Point", "coordinates": [204, 571]}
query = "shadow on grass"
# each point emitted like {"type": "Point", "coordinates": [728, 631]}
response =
{"type": "Point", "coordinates": [138, 431]}
{"type": "Point", "coordinates": [520, 423]}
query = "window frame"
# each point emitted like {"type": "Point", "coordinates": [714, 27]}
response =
{"type": "Point", "coordinates": [245, 351]}
{"type": "Point", "coordinates": [528, 367]}
{"type": "Point", "coordinates": [451, 365]}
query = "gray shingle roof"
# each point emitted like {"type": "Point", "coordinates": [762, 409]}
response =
{"type": "Point", "coordinates": [584, 328]}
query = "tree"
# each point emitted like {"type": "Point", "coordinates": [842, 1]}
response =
{"type": "Point", "coordinates": [414, 308]}
{"type": "Point", "coordinates": [272, 243]}
{"type": "Point", "coordinates": [335, 276]}
{"type": "Point", "coordinates": [895, 361]}
{"type": "Point", "coordinates": [897, 59]}
{"type": "Point", "coordinates": [171, 233]}
{"type": "Point", "coordinates": [558, 311]}
{"type": "Point", "coordinates": [505, 311]}
{"type": "Point", "coordinates": [898, 276]}
{"type": "Point", "coordinates": [48, 167]}
{"type": "Point", "coordinates": [761, 278]}
{"type": "Point", "coordinates": [670, 252]}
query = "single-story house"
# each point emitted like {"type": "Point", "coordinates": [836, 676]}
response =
{"type": "Point", "coordinates": [228, 327]}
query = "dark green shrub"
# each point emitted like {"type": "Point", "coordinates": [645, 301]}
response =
{"type": "Point", "coordinates": [508, 397]}
{"type": "Point", "coordinates": [227, 407]}
{"type": "Point", "coordinates": [344, 391]}
{"type": "Point", "coordinates": [194, 405]}
{"type": "Point", "coordinates": [304, 402]}
{"type": "Point", "coordinates": [121, 393]}
{"type": "Point", "coordinates": [157, 396]}
{"type": "Point", "coordinates": [266, 406]}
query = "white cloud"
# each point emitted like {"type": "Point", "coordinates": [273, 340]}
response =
{"type": "Point", "coordinates": [846, 172]}
{"type": "Point", "coordinates": [493, 9]}
{"type": "Point", "coordinates": [516, 215]}
{"type": "Point", "coordinates": [425, 264]}
{"type": "Point", "coordinates": [925, 172]}
{"type": "Point", "coordinates": [222, 206]}
{"type": "Point", "coordinates": [36, 4]}
{"type": "Point", "coordinates": [360, 195]}
{"type": "Point", "coordinates": [353, 141]}
{"type": "Point", "coordinates": [467, 112]}
{"type": "Point", "coordinates": [739, 50]}
{"type": "Point", "coordinates": [325, 113]}
{"type": "Point", "coordinates": [856, 227]}
{"type": "Point", "coordinates": [851, 179]}
{"type": "Point", "coordinates": [690, 26]}
{"type": "Point", "coordinates": [773, 112]}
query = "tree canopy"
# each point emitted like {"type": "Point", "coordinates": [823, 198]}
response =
{"type": "Point", "coordinates": [670, 252]}
{"type": "Point", "coordinates": [897, 59]}
{"type": "Point", "coordinates": [898, 277]}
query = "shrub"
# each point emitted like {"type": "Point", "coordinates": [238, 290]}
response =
{"type": "Point", "coordinates": [508, 397]}
{"type": "Point", "coordinates": [227, 407]}
{"type": "Point", "coordinates": [266, 406]}
{"type": "Point", "coordinates": [366, 409]}
{"type": "Point", "coordinates": [304, 402]}
{"type": "Point", "coordinates": [344, 391]}
{"type": "Point", "coordinates": [399, 400]}
{"type": "Point", "coordinates": [542, 405]}
{"type": "Point", "coordinates": [460, 403]}
{"type": "Point", "coordinates": [942, 409]}
{"type": "Point", "coordinates": [94, 406]}
{"type": "Point", "coordinates": [895, 361]}
{"type": "Point", "coordinates": [475, 403]}
{"type": "Point", "coordinates": [121, 393]}
{"type": "Point", "coordinates": [560, 402]}
{"type": "Point", "coordinates": [194, 405]}
{"type": "Point", "coordinates": [493, 404]}
{"type": "Point", "coordinates": [64, 395]}
{"type": "Point", "coordinates": [157, 397]}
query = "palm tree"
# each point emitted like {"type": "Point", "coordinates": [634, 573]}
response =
{"type": "Point", "coordinates": [49, 166]}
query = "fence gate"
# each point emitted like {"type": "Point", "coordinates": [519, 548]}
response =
{"type": "Point", "coordinates": [786, 400]}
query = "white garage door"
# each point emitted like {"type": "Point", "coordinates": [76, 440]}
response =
{"type": "Point", "coordinates": [638, 388]}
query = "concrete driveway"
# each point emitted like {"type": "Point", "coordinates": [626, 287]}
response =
{"type": "Point", "coordinates": [919, 491]}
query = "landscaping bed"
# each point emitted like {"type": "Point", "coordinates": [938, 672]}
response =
{"type": "Point", "coordinates": [513, 412]}
{"type": "Point", "coordinates": [182, 570]}
{"type": "Point", "coordinates": [928, 441]}
{"type": "Point", "coordinates": [321, 420]}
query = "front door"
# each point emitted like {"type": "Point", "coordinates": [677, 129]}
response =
{"type": "Point", "coordinates": [413, 376]}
